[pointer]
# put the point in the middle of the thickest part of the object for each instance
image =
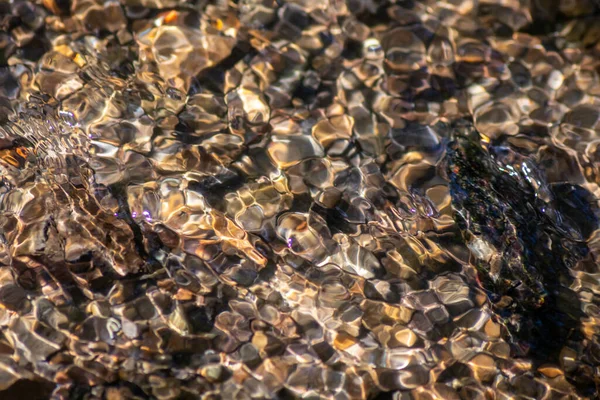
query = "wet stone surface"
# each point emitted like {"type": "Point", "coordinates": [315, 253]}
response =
{"type": "Point", "coordinates": [297, 199]}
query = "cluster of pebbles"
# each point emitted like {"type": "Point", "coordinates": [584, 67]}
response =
{"type": "Point", "coordinates": [332, 199]}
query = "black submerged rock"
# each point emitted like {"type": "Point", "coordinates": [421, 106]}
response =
{"type": "Point", "coordinates": [534, 234]}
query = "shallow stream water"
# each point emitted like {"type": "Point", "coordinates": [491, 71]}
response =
{"type": "Point", "coordinates": [263, 199]}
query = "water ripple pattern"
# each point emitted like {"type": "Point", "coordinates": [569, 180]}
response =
{"type": "Point", "coordinates": [261, 199]}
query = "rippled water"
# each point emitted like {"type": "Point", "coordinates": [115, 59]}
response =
{"type": "Point", "coordinates": [304, 199]}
